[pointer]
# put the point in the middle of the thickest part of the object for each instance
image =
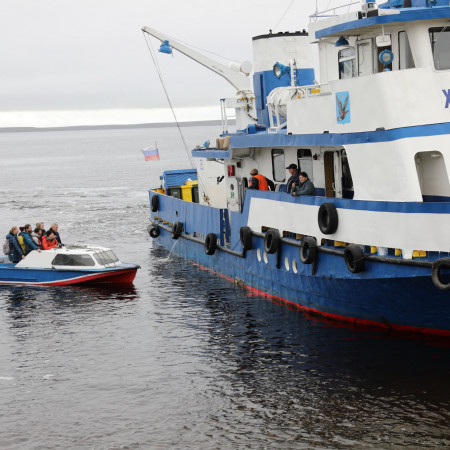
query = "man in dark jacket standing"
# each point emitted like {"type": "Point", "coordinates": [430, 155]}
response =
{"type": "Point", "coordinates": [28, 240]}
{"type": "Point", "coordinates": [293, 170]}
{"type": "Point", "coordinates": [54, 227]}
{"type": "Point", "coordinates": [306, 187]}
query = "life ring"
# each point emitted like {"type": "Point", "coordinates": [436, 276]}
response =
{"type": "Point", "coordinates": [436, 273]}
{"type": "Point", "coordinates": [308, 250]}
{"type": "Point", "coordinates": [153, 231]}
{"type": "Point", "coordinates": [246, 238]}
{"type": "Point", "coordinates": [155, 202]}
{"type": "Point", "coordinates": [354, 258]}
{"type": "Point", "coordinates": [210, 243]}
{"type": "Point", "coordinates": [176, 230]}
{"type": "Point", "coordinates": [328, 218]}
{"type": "Point", "coordinates": [271, 240]}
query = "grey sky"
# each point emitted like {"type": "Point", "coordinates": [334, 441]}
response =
{"type": "Point", "coordinates": [91, 54]}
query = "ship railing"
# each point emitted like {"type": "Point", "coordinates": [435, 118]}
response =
{"type": "Point", "coordinates": [331, 12]}
{"type": "Point", "coordinates": [277, 108]}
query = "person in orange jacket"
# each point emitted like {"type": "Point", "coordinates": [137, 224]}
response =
{"type": "Point", "coordinates": [49, 240]}
{"type": "Point", "coordinates": [260, 182]}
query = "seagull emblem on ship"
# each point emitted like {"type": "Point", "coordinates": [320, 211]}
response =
{"type": "Point", "coordinates": [342, 108]}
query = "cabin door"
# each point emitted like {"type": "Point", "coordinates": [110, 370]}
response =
{"type": "Point", "coordinates": [234, 196]}
{"type": "Point", "coordinates": [328, 161]}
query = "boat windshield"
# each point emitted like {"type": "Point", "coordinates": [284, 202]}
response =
{"type": "Point", "coordinates": [73, 260]}
{"type": "Point", "coordinates": [440, 45]}
{"type": "Point", "coordinates": [107, 257]}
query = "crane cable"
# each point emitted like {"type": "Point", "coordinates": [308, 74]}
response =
{"type": "Point", "coordinates": [158, 70]}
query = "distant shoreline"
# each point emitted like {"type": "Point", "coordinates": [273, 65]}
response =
{"type": "Point", "coordinates": [114, 127]}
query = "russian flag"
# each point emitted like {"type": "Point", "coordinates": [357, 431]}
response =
{"type": "Point", "coordinates": [151, 153]}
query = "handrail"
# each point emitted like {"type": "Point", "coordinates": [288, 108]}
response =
{"type": "Point", "coordinates": [318, 14]}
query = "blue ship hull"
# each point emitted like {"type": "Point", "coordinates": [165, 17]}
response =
{"type": "Point", "coordinates": [394, 296]}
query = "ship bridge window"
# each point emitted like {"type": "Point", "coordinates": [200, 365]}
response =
{"type": "Point", "coordinates": [305, 164]}
{"type": "Point", "coordinates": [406, 60]}
{"type": "Point", "coordinates": [365, 57]}
{"type": "Point", "coordinates": [73, 260]}
{"type": "Point", "coordinates": [440, 45]}
{"type": "Point", "coordinates": [278, 165]}
{"type": "Point", "coordinates": [347, 63]}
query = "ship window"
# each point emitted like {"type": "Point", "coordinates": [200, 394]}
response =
{"type": "Point", "coordinates": [433, 177]}
{"type": "Point", "coordinates": [279, 169]}
{"type": "Point", "coordinates": [72, 260]}
{"type": "Point", "coordinates": [440, 45]}
{"type": "Point", "coordinates": [305, 164]}
{"type": "Point", "coordinates": [347, 63]}
{"type": "Point", "coordinates": [107, 257]}
{"type": "Point", "coordinates": [406, 60]}
{"type": "Point", "coordinates": [365, 57]}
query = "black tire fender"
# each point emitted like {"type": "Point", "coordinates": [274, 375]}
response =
{"type": "Point", "coordinates": [155, 203]}
{"type": "Point", "coordinates": [154, 231]}
{"type": "Point", "coordinates": [354, 258]}
{"type": "Point", "coordinates": [246, 238]}
{"type": "Point", "coordinates": [308, 250]}
{"type": "Point", "coordinates": [272, 240]}
{"type": "Point", "coordinates": [176, 230]}
{"type": "Point", "coordinates": [436, 273]}
{"type": "Point", "coordinates": [328, 218]}
{"type": "Point", "coordinates": [210, 243]}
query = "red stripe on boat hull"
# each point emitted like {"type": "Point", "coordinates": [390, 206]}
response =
{"type": "Point", "coordinates": [119, 277]}
{"type": "Point", "coordinates": [346, 319]}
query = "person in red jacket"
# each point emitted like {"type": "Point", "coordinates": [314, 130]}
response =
{"type": "Point", "coordinates": [49, 240]}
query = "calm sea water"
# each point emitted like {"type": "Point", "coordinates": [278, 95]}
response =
{"type": "Point", "coordinates": [183, 359]}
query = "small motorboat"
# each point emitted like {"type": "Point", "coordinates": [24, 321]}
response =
{"type": "Point", "coordinates": [72, 264]}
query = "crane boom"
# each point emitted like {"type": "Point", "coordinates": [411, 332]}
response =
{"type": "Point", "coordinates": [237, 74]}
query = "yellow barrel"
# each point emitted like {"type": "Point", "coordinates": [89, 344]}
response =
{"type": "Point", "coordinates": [186, 192]}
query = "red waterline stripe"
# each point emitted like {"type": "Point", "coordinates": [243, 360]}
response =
{"type": "Point", "coordinates": [337, 317]}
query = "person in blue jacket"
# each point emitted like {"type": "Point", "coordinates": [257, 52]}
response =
{"type": "Point", "coordinates": [28, 240]}
{"type": "Point", "coordinates": [15, 252]}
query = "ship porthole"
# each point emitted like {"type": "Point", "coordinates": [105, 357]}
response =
{"type": "Point", "coordinates": [294, 266]}
{"type": "Point", "coordinates": [265, 257]}
{"type": "Point", "coordinates": [286, 264]}
{"type": "Point", "coordinates": [258, 254]}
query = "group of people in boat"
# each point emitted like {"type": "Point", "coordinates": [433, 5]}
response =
{"type": "Point", "coordinates": [298, 183]}
{"type": "Point", "coordinates": [24, 240]}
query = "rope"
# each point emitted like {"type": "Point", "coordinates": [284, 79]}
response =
{"type": "Point", "coordinates": [188, 153]}
{"type": "Point", "coordinates": [282, 17]}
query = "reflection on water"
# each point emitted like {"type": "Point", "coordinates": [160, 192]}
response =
{"type": "Point", "coordinates": [184, 359]}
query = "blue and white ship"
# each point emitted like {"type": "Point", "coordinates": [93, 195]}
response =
{"type": "Point", "coordinates": [372, 247]}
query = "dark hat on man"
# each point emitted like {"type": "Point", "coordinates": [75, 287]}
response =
{"type": "Point", "coordinates": [49, 232]}
{"type": "Point", "coordinates": [292, 166]}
